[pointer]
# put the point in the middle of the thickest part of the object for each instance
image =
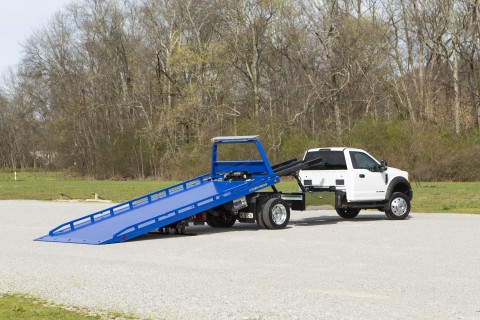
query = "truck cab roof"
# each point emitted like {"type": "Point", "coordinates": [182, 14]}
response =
{"type": "Point", "coordinates": [335, 149]}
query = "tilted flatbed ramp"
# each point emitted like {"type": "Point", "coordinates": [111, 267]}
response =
{"type": "Point", "coordinates": [164, 207]}
{"type": "Point", "coordinates": [155, 210]}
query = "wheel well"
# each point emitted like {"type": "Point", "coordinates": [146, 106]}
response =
{"type": "Point", "coordinates": [403, 188]}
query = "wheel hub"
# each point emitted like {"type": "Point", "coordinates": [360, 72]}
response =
{"type": "Point", "coordinates": [399, 206]}
{"type": "Point", "coordinates": [279, 214]}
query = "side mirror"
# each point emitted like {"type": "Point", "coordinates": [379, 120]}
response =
{"type": "Point", "coordinates": [383, 165]}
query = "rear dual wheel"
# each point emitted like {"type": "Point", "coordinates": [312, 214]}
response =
{"type": "Point", "coordinates": [274, 214]}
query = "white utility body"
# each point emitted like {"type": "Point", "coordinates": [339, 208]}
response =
{"type": "Point", "coordinates": [359, 182]}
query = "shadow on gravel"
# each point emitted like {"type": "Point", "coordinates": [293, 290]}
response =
{"type": "Point", "coordinates": [317, 221]}
{"type": "Point", "coordinates": [198, 231]}
{"type": "Point", "coordinates": [205, 230]}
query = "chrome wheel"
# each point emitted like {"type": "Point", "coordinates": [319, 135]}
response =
{"type": "Point", "coordinates": [399, 206]}
{"type": "Point", "coordinates": [274, 214]}
{"type": "Point", "coordinates": [279, 214]}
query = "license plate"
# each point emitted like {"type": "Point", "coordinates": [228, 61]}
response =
{"type": "Point", "coordinates": [246, 215]}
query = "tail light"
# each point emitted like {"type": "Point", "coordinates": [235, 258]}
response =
{"type": "Point", "coordinates": [200, 217]}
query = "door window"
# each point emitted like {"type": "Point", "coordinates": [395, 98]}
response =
{"type": "Point", "coordinates": [361, 160]}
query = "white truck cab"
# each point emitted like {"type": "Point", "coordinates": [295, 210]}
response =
{"type": "Point", "coordinates": [359, 182]}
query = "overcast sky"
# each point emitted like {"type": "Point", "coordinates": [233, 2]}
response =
{"type": "Point", "coordinates": [18, 20]}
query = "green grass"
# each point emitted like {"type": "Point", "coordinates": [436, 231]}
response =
{"type": "Point", "coordinates": [14, 306]}
{"type": "Point", "coordinates": [456, 197]}
{"type": "Point", "coordinates": [26, 307]}
{"type": "Point", "coordinates": [48, 186]}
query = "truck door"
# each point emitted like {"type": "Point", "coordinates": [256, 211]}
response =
{"type": "Point", "coordinates": [369, 181]}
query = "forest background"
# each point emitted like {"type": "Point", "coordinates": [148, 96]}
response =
{"type": "Point", "coordinates": [137, 88]}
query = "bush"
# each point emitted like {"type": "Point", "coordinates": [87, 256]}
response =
{"type": "Point", "coordinates": [429, 153]}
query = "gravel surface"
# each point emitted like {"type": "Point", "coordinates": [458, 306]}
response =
{"type": "Point", "coordinates": [320, 267]}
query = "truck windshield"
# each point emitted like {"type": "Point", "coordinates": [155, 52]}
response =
{"type": "Point", "coordinates": [331, 160]}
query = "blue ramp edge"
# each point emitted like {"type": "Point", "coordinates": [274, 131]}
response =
{"type": "Point", "coordinates": [155, 210]}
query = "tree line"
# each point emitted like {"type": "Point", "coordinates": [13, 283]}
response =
{"type": "Point", "coordinates": [132, 88]}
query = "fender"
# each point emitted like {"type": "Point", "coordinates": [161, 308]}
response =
{"type": "Point", "coordinates": [396, 181]}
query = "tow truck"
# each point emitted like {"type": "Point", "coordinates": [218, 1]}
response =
{"type": "Point", "coordinates": [234, 190]}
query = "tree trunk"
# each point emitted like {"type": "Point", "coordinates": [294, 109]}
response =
{"type": "Point", "coordinates": [456, 87]}
{"type": "Point", "coordinates": [478, 116]}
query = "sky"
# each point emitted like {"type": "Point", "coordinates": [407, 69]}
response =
{"type": "Point", "coordinates": [18, 20]}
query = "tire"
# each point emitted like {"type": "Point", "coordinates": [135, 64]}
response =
{"type": "Point", "coordinates": [275, 214]}
{"type": "Point", "coordinates": [347, 213]}
{"type": "Point", "coordinates": [211, 220]}
{"type": "Point", "coordinates": [225, 219]}
{"type": "Point", "coordinates": [398, 206]}
{"type": "Point", "coordinates": [260, 222]}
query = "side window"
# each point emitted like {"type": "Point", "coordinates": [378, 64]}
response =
{"type": "Point", "coordinates": [361, 160]}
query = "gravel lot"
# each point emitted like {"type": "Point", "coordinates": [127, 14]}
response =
{"type": "Point", "coordinates": [320, 267]}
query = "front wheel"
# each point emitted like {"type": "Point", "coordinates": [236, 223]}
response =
{"type": "Point", "coordinates": [347, 213]}
{"type": "Point", "coordinates": [398, 206]}
{"type": "Point", "coordinates": [275, 214]}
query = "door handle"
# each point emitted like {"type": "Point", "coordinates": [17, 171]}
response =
{"type": "Point", "coordinates": [361, 175]}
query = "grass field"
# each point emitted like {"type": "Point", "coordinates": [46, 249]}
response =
{"type": "Point", "coordinates": [48, 186]}
{"type": "Point", "coordinates": [14, 307]}
{"type": "Point", "coordinates": [455, 197]}
{"type": "Point", "coordinates": [26, 307]}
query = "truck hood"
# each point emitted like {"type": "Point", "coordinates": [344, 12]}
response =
{"type": "Point", "coordinates": [397, 172]}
